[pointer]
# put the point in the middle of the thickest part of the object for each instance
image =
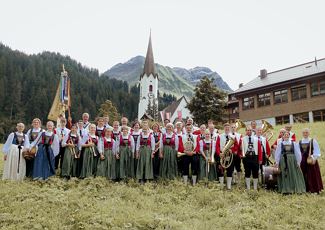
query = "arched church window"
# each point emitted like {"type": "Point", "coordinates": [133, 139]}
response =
{"type": "Point", "coordinates": [150, 88]}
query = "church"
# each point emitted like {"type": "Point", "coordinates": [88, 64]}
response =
{"type": "Point", "coordinates": [149, 93]}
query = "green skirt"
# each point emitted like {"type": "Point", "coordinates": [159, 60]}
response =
{"type": "Point", "coordinates": [144, 167]}
{"type": "Point", "coordinates": [87, 168]}
{"type": "Point", "coordinates": [69, 165]}
{"type": "Point", "coordinates": [168, 164]}
{"type": "Point", "coordinates": [203, 170]}
{"type": "Point", "coordinates": [290, 180]}
{"type": "Point", "coordinates": [126, 163]}
{"type": "Point", "coordinates": [106, 167]}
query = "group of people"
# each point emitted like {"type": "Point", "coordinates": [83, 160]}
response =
{"type": "Point", "coordinates": [148, 152]}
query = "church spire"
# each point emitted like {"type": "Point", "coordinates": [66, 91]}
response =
{"type": "Point", "coordinates": [149, 64]}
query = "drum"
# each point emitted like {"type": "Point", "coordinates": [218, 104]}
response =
{"type": "Point", "coordinates": [270, 177]}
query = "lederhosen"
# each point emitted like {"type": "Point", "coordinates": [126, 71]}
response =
{"type": "Point", "coordinates": [156, 159]}
{"type": "Point", "coordinates": [190, 160]}
{"type": "Point", "coordinates": [251, 160]}
{"type": "Point", "coordinates": [19, 141]}
{"type": "Point", "coordinates": [30, 161]}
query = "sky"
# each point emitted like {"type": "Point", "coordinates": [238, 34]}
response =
{"type": "Point", "coordinates": [234, 38]}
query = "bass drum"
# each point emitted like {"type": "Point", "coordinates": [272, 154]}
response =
{"type": "Point", "coordinates": [270, 177]}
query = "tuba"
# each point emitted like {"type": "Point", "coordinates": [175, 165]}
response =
{"type": "Point", "coordinates": [227, 158]}
{"type": "Point", "coordinates": [240, 124]}
{"type": "Point", "coordinates": [266, 127]}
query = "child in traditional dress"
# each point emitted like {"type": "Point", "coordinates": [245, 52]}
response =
{"type": "Point", "coordinates": [72, 145]}
{"type": "Point", "coordinates": [90, 152]}
{"type": "Point", "coordinates": [116, 130]}
{"type": "Point", "coordinates": [288, 159]}
{"type": "Point", "coordinates": [125, 154]}
{"type": "Point", "coordinates": [168, 153]}
{"type": "Point", "coordinates": [16, 144]}
{"type": "Point", "coordinates": [145, 154]}
{"type": "Point", "coordinates": [48, 148]}
{"type": "Point", "coordinates": [310, 148]}
{"type": "Point", "coordinates": [207, 162]}
{"type": "Point", "coordinates": [107, 148]}
{"type": "Point", "coordinates": [135, 132]}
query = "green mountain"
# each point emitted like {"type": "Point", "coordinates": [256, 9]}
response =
{"type": "Point", "coordinates": [169, 81]}
{"type": "Point", "coordinates": [176, 81]}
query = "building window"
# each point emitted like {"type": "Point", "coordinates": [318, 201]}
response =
{"type": "Point", "coordinates": [264, 99]}
{"type": "Point", "coordinates": [234, 110]}
{"type": "Point", "coordinates": [280, 96]}
{"type": "Point", "coordinates": [282, 120]}
{"type": "Point", "coordinates": [248, 103]}
{"type": "Point", "coordinates": [317, 88]}
{"type": "Point", "coordinates": [150, 88]}
{"type": "Point", "coordinates": [319, 115]}
{"type": "Point", "coordinates": [299, 93]}
{"type": "Point", "coordinates": [301, 117]}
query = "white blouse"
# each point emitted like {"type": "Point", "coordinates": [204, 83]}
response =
{"type": "Point", "coordinates": [278, 151]}
{"type": "Point", "coordinates": [55, 144]}
{"type": "Point", "coordinates": [10, 138]}
{"type": "Point", "coordinates": [316, 153]}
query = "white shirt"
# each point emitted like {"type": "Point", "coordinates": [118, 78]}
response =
{"type": "Point", "coordinates": [169, 135]}
{"type": "Point", "coordinates": [152, 140]}
{"type": "Point", "coordinates": [66, 137]}
{"type": "Point", "coordinates": [316, 152]}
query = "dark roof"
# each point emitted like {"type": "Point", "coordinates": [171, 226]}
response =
{"type": "Point", "coordinates": [146, 116]}
{"type": "Point", "coordinates": [172, 107]}
{"type": "Point", "coordinates": [149, 64]}
{"type": "Point", "coordinates": [285, 75]}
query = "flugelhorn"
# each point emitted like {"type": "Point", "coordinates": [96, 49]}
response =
{"type": "Point", "coordinates": [92, 149]}
{"type": "Point", "coordinates": [72, 149]}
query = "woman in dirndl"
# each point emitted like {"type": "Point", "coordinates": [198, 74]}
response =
{"type": "Point", "coordinates": [90, 153]}
{"type": "Point", "coordinates": [168, 153]}
{"type": "Point", "coordinates": [107, 148]}
{"type": "Point", "coordinates": [145, 154]}
{"type": "Point", "coordinates": [14, 162]}
{"type": "Point", "coordinates": [72, 144]}
{"type": "Point", "coordinates": [207, 164]}
{"type": "Point", "coordinates": [288, 158]}
{"type": "Point", "coordinates": [310, 168]}
{"type": "Point", "coordinates": [48, 148]}
{"type": "Point", "coordinates": [125, 154]}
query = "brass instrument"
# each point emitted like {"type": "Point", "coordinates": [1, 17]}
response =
{"type": "Point", "coordinates": [240, 124]}
{"type": "Point", "coordinates": [188, 147]}
{"type": "Point", "coordinates": [92, 149]}
{"type": "Point", "coordinates": [227, 158]}
{"type": "Point", "coordinates": [72, 149]}
{"type": "Point", "coordinates": [266, 127]}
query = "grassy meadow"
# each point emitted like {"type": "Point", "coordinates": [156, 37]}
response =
{"type": "Point", "coordinates": [100, 204]}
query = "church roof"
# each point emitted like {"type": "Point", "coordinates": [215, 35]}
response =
{"type": "Point", "coordinates": [173, 107]}
{"type": "Point", "coordinates": [149, 64]}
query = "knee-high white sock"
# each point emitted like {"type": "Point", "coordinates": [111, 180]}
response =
{"type": "Point", "coordinates": [221, 180]}
{"type": "Point", "coordinates": [229, 179]}
{"type": "Point", "coordinates": [185, 178]}
{"type": "Point", "coordinates": [248, 183]}
{"type": "Point", "coordinates": [255, 182]}
{"type": "Point", "coordinates": [194, 180]}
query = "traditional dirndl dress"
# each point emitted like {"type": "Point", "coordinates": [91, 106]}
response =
{"type": "Point", "coordinates": [156, 159]}
{"type": "Point", "coordinates": [291, 179]}
{"type": "Point", "coordinates": [135, 136]}
{"type": "Point", "coordinates": [106, 167]}
{"type": "Point", "coordinates": [312, 175]}
{"type": "Point", "coordinates": [145, 167]}
{"type": "Point", "coordinates": [70, 162]}
{"type": "Point", "coordinates": [126, 157]}
{"type": "Point", "coordinates": [45, 157]}
{"type": "Point", "coordinates": [15, 165]}
{"type": "Point", "coordinates": [168, 164]}
{"type": "Point", "coordinates": [89, 157]}
{"type": "Point", "coordinates": [211, 170]}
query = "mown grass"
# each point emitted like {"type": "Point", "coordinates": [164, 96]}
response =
{"type": "Point", "coordinates": [100, 204]}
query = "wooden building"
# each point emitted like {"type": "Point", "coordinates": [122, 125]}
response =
{"type": "Point", "coordinates": [294, 94]}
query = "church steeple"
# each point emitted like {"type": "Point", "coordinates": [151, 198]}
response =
{"type": "Point", "coordinates": [149, 64]}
